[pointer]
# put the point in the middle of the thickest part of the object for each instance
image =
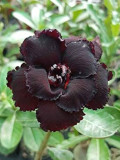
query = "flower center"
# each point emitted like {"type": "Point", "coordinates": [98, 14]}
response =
{"type": "Point", "coordinates": [59, 74]}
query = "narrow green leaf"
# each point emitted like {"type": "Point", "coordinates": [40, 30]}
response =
{"type": "Point", "coordinates": [59, 19]}
{"type": "Point", "coordinates": [95, 16]}
{"type": "Point", "coordinates": [58, 3]}
{"type": "Point", "coordinates": [108, 4]}
{"type": "Point", "coordinates": [114, 141]}
{"type": "Point", "coordinates": [101, 123]}
{"type": "Point", "coordinates": [3, 80]}
{"type": "Point", "coordinates": [25, 18]}
{"type": "Point", "coordinates": [11, 132]}
{"type": "Point", "coordinates": [37, 15]}
{"type": "Point", "coordinates": [60, 154]}
{"type": "Point", "coordinates": [98, 150]}
{"type": "Point", "coordinates": [115, 29]}
{"type": "Point", "coordinates": [1, 122]}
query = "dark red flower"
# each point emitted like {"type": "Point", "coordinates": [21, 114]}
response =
{"type": "Point", "coordinates": [59, 78]}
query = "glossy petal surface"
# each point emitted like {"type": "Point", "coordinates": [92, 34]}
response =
{"type": "Point", "coordinates": [78, 93]}
{"type": "Point", "coordinates": [43, 49]}
{"type": "Point", "coordinates": [21, 96]}
{"type": "Point", "coordinates": [52, 118]}
{"type": "Point", "coordinates": [80, 59]}
{"type": "Point", "coordinates": [38, 84]}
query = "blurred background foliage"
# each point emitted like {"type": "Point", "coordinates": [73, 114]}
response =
{"type": "Point", "coordinates": [98, 134]}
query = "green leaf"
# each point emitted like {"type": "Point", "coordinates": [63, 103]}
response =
{"type": "Point", "coordinates": [108, 4]}
{"type": "Point", "coordinates": [60, 154]}
{"type": "Point", "coordinates": [22, 34]}
{"type": "Point", "coordinates": [6, 151]}
{"type": "Point", "coordinates": [37, 15]}
{"type": "Point", "coordinates": [72, 141]}
{"type": "Point", "coordinates": [11, 132]}
{"type": "Point", "coordinates": [27, 119]}
{"type": "Point", "coordinates": [33, 138]}
{"type": "Point", "coordinates": [58, 3]}
{"type": "Point", "coordinates": [98, 150]}
{"type": "Point", "coordinates": [114, 141]}
{"type": "Point", "coordinates": [97, 19]}
{"type": "Point", "coordinates": [100, 123]}
{"type": "Point", "coordinates": [115, 29]}
{"type": "Point", "coordinates": [1, 122]}
{"type": "Point", "coordinates": [25, 18]}
{"type": "Point", "coordinates": [59, 19]}
{"type": "Point", "coordinates": [3, 80]}
{"type": "Point", "coordinates": [55, 138]}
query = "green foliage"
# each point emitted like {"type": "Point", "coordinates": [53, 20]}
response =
{"type": "Point", "coordinates": [58, 154]}
{"type": "Point", "coordinates": [98, 150]}
{"type": "Point", "coordinates": [101, 123]}
{"type": "Point", "coordinates": [70, 18]}
{"type": "Point", "coordinates": [11, 132]}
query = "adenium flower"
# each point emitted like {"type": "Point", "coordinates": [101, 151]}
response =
{"type": "Point", "coordinates": [59, 78]}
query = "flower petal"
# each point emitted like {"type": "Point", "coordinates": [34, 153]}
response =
{"type": "Point", "coordinates": [110, 75]}
{"type": "Point", "coordinates": [101, 97]}
{"type": "Point", "coordinates": [43, 49]}
{"type": "Point", "coordinates": [72, 39]}
{"type": "Point", "coordinates": [53, 118]}
{"type": "Point", "coordinates": [78, 93]}
{"type": "Point", "coordinates": [38, 84]}
{"type": "Point", "coordinates": [9, 78]}
{"type": "Point", "coordinates": [17, 82]}
{"type": "Point", "coordinates": [97, 48]}
{"type": "Point", "coordinates": [79, 59]}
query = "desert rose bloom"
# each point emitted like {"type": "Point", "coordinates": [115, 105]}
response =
{"type": "Point", "coordinates": [59, 78]}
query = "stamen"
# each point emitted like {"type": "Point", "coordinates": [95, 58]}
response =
{"type": "Point", "coordinates": [59, 74]}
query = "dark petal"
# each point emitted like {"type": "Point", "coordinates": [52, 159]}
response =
{"type": "Point", "coordinates": [38, 84]}
{"type": "Point", "coordinates": [43, 49]}
{"type": "Point", "coordinates": [9, 78]}
{"type": "Point", "coordinates": [72, 39]}
{"type": "Point", "coordinates": [78, 93]}
{"type": "Point", "coordinates": [54, 34]}
{"type": "Point", "coordinates": [101, 97]}
{"type": "Point", "coordinates": [97, 48]}
{"type": "Point", "coordinates": [53, 118]}
{"type": "Point", "coordinates": [79, 59]}
{"type": "Point", "coordinates": [110, 75]}
{"type": "Point", "coordinates": [94, 45]}
{"type": "Point", "coordinates": [17, 82]}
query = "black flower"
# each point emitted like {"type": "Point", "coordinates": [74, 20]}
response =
{"type": "Point", "coordinates": [59, 78]}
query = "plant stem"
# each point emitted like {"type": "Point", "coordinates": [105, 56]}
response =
{"type": "Point", "coordinates": [39, 154]}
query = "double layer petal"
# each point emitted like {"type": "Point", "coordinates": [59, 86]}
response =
{"type": "Point", "coordinates": [44, 49]}
{"type": "Point", "coordinates": [101, 81]}
{"type": "Point", "coordinates": [37, 82]}
{"type": "Point", "coordinates": [52, 118]}
{"type": "Point", "coordinates": [78, 93]}
{"type": "Point", "coordinates": [79, 59]}
{"type": "Point", "coordinates": [21, 96]}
